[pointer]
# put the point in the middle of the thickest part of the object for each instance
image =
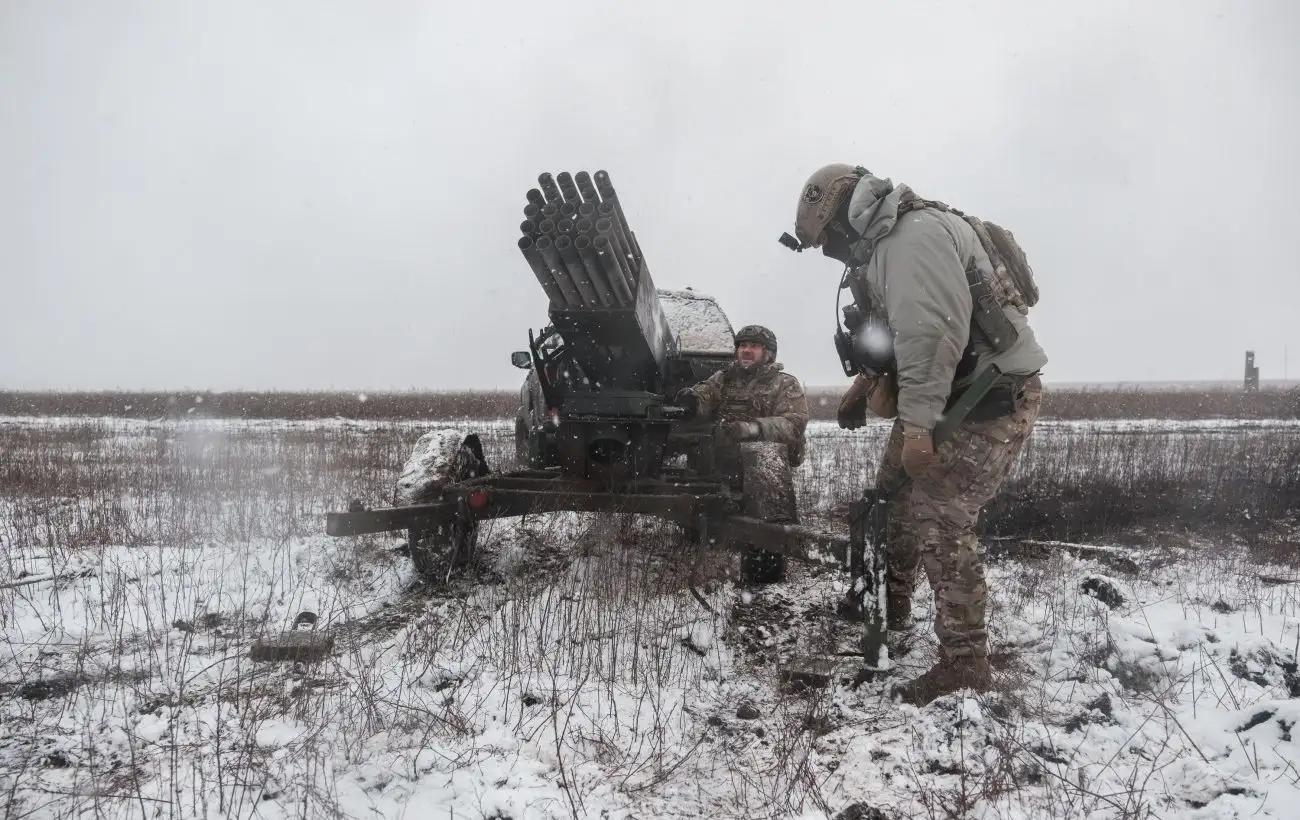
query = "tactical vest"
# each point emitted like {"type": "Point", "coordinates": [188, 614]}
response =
{"type": "Point", "coordinates": [750, 399]}
{"type": "Point", "coordinates": [1012, 282]}
{"type": "Point", "coordinates": [1013, 279]}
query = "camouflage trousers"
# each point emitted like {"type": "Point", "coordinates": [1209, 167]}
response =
{"type": "Point", "coordinates": [932, 522]}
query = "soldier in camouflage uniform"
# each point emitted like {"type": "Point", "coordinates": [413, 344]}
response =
{"type": "Point", "coordinates": [753, 399]}
{"type": "Point", "coordinates": [914, 279]}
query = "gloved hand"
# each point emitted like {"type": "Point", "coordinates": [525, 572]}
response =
{"type": "Point", "coordinates": [918, 450]}
{"type": "Point", "coordinates": [688, 401]}
{"type": "Point", "coordinates": [852, 412]}
{"type": "Point", "coordinates": [869, 391]}
{"type": "Point", "coordinates": [742, 430]}
{"type": "Point", "coordinates": [882, 395]}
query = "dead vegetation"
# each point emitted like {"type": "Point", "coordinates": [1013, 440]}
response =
{"type": "Point", "coordinates": [578, 634]}
{"type": "Point", "coordinates": [1082, 481]}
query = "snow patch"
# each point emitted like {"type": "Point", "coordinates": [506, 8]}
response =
{"type": "Point", "coordinates": [432, 464]}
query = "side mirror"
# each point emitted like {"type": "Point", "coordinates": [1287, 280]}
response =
{"type": "Point", "coordinates": [521, 359]}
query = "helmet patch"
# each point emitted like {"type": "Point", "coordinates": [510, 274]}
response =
{"type": "Point", "coordinates": [812, 194]}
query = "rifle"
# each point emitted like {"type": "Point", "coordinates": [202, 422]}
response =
{"type": "Point", "coordinates": [868, 531]}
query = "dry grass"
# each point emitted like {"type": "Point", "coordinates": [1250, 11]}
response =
{"type": "Point", "coordinates": [586, 651]}
{"type": "Point", "coordinates": [1085, 481]}
{"type": "Point", "coordinates": [94, 482]}
{"type": "Point", "coordinates": [576, 633]}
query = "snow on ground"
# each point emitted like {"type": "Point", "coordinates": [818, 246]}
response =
{"type": "Point", "coordinates": [572, 672]}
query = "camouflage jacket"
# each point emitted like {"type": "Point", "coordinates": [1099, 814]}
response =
{"type": "Point", "coordinates": [761, 393]}
{"type": "Point", "coordinates": [916, 278]}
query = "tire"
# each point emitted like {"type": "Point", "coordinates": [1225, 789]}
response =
{"type": "Point", "coordinates": [441, 457]}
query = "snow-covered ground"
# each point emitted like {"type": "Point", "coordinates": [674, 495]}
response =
{"type": "Point", "coordinates": [572, 672]}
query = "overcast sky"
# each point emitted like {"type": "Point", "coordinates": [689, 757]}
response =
{"type": "Point", "coordinates": [327, 195]}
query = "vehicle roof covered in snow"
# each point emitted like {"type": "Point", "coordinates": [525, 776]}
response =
{"type": "Point", "coordinates": [698, 322]}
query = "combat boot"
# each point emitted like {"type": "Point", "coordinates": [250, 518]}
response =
{"type": "Point", "coordinates": [900, 642]}
{"type": "Point", "coordinates": [945, 677]}
{"type": "Point", "coordinates": [898, 622]}
{"type": "Point", "coordinates": [760, 567]}
{"type": "Point", "coordinates": [898, 611]}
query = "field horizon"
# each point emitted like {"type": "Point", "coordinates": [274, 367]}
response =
{"type": "Point", "coordinates": [1100, 401]}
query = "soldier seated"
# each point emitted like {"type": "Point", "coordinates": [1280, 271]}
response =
{"type": "Point", "coordinates": [753, 399]}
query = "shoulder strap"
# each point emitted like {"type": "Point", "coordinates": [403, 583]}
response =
{"type": "Point", "coordinates": [916, 203]}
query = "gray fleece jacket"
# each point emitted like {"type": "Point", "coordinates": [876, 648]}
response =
{"type": "Point", "coordinates": [916, 278]}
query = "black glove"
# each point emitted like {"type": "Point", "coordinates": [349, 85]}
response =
{"type": "Point", "coordinates": [852, 411]}
{"type": "Point", "coordinates": [688, 401]}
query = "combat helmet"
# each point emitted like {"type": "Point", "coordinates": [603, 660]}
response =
{"type": "Point", "coordinates": [824, 194]}
{"type": "Point", "coordinates": [758, 335]}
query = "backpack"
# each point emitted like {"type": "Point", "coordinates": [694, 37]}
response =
{"type": "Point", "coordinates": [1013, 280]}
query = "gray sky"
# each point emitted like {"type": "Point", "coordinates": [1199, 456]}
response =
{"type": "Point", "coordinates": [327, 195]}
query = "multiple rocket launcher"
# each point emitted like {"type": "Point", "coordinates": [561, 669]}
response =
{"type": "Point", "coordinates": [576, 240]}
{"type": "Point", "coordinates": [603, 303]}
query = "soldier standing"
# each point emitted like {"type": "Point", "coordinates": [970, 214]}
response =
{"type": "Point", "coordinates": [753, 399]}
{"type": "Point", "coordinates": [914, 266]}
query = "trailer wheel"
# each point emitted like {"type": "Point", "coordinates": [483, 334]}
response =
{"type": "Point", "coordinates": [440, 457]}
